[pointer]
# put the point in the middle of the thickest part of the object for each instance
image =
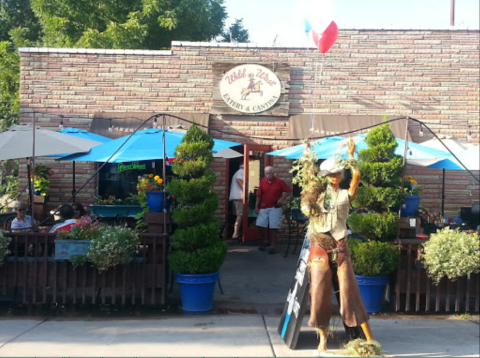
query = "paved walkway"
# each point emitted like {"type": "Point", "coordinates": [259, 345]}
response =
{"type": "Point", "coordinates": [222, 336]}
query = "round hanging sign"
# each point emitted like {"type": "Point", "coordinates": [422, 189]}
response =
{"type": "Point", "coordinates": [250, 88]}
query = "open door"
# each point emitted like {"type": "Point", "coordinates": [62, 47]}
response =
{"type": "Point", "coordinates": [254, 162]}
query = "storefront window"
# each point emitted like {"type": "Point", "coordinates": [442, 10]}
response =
{"type": "Point", "coordinates": [120, 179]}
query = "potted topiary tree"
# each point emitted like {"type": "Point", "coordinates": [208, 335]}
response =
{"type": "Point", "coordinates": [197, 253]}
{"type": "Point", "coordinates": [375, 220]}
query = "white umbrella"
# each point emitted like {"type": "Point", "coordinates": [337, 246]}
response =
{"type": "Point", "coordinates": [454, 144]}
{"type": "Point", "coordinates": [227, 153]}
{"type": "Point", "coordinates": [17, 142]}
{"type": "Point", "coordinates": [467, 153]}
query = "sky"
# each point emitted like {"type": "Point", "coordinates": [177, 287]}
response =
{"type": "Point", "coordinates": [282, 20]}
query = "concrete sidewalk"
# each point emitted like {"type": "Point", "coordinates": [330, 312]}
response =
{"type": "Point", "coordinates": [222, 336]}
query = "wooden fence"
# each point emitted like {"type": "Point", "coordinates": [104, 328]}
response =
{"type": "Point", "coordinates": [31, 274]}
{"type": "Point", "coordinates": [415, 292]}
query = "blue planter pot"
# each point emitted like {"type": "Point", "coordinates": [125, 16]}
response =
{"type": "Point", "coordinates": [197, 291]}
{"type": "Point", "coordinates": [371, 290]}
{"type": "Point", "coordinates": [66, 248]}
{"type": "Point", "coordinates": [411, 206]}
{"type": "Point", "coordinates": [111, 211]}
{"type": "Point", "coordinates": [155, 201]}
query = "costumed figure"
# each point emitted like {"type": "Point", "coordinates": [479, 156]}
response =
{"type": "Point", "coordinates": [251, 83]}
{"type": "Point", "coordinates": [328, 209]}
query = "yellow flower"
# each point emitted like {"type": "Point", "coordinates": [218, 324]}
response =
{"type": "Point", "coordinates": [156, 177]}
{"type": "Point", "coordinates": [150, 175]}
{"type": "Point", "coordinates": [413, 181]}
{"type": "Point", "coordinates": [159, 180]}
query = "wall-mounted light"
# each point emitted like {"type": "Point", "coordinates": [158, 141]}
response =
{"type": "Point", "coordinates": [110, 128]}
{"type": "Point", "coordinates": [60, 126]}
{"type": "Point", "coordinates": [155, 123]}
{"type": "Point", "coordinates": [421, 130]}
{"type": "Point", "coordinates": [469, 136]}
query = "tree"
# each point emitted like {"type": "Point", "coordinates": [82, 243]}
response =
{"type": "Point", "coordinates": [18, 14]}
{"type": "Point", "coordinates": [128, 24]}
{"type": "Point", "coordinates": [195, 243]}
{"type": "Point", "coordinates": [381, 172]}
{"type": "Point", "coordinates": [236, 33]}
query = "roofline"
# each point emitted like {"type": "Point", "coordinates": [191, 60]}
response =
{"type": "Point", "coordinates": [96, 51]}
{"type": "Point", "coordinates": [218, 44]}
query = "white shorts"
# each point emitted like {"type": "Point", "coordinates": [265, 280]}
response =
{"type": "Point", "coordinates": [270, 217]}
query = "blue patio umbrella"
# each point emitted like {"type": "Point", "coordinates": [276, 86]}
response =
{"type": "Point", "coordinates": [80, 133]}
{"type": "Point", "coordinates": [414, 150]}
{"type": "Point", "coordinates": [143, 145]}
{"type": "Point", "coordinates": [298, 149]}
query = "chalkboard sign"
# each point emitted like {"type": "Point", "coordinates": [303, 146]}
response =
{"type": "Point", "coordinates": [297, 299]}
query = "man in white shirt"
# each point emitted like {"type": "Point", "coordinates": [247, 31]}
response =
{"type": "Point", "coordinates": [236, 197]}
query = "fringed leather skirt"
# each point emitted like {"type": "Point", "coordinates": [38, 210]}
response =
{"type": "Point", "coordinates": [325, 266]}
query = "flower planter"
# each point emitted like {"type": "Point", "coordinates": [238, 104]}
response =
{"type": "Point", "coordinates": [66, 248]}
{"type": "Point", "coordinates": [411, 205]}
{"type": "Point", "coordinates": [155, 201]}
{"type": "Point", "coordinates": [197, 291]}
{"type": "Point", "coordinates": [372, 289]}
{"type": "Point", "coordinates": [111, 211]}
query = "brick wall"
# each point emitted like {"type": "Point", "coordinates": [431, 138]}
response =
{"type": "Point", "coordinates": [429, 75]}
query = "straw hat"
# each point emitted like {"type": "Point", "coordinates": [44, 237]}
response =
{"type": "Point", "coordinates": [330, 166]}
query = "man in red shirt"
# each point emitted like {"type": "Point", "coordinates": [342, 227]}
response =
{"type": "Point", "coordinates": [271, 195]}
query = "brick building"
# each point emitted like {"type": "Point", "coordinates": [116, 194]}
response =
{"type": "Point", "coordinates": [430, 75]}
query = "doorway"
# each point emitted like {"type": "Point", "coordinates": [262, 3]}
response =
{"type": "Point", "coordinates": [254, 161]}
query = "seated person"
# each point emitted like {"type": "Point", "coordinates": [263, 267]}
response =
{"type": "Point", "coordinates": [79, 213]}
{"type": "Point", "coordinates": [22, 222]}
{"type": "Point", "coordinates": [66, 213]}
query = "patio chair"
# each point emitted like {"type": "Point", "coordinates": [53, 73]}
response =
{"type": "Point", "coordinates": [296, 227]}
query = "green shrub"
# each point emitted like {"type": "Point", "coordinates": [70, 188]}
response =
{"type": "Point", "coordinates": [196, 246]}
{"type": "Point", "coordinates": [374, 258]}
{"type": "Point", "coordinates": [452, 254]}
{"type": "Point", "coordinates": [205, 260]}
{"type": "Point", "coordinates": [381, 171]}
{"type": "Point", "coordinates": [377, 199]}
{"type": "Point", "coordinates": [374, 226]}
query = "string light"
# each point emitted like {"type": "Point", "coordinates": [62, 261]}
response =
{"type": "Point", "coordinates": [60, 126]}
{"type": "Point", "coordinates": [421, 130]}
{"type": "Point", "coordinates": [110, 128]}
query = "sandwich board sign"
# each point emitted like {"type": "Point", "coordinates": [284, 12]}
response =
{"type": "Point", "coordinates": [297, 299]}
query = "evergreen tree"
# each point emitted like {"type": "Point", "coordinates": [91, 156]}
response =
{"type": "Point", "coordinates": [381, 171]}
{"type": "Point", "coordinates": [235, 33]}
{"type": "Point", "coordinates": [197, 248]}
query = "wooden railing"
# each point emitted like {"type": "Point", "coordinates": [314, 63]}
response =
{"type": "Point", "coordinates": [415, 292]}
{"type": "Point", "coordinates": [31, 274]}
